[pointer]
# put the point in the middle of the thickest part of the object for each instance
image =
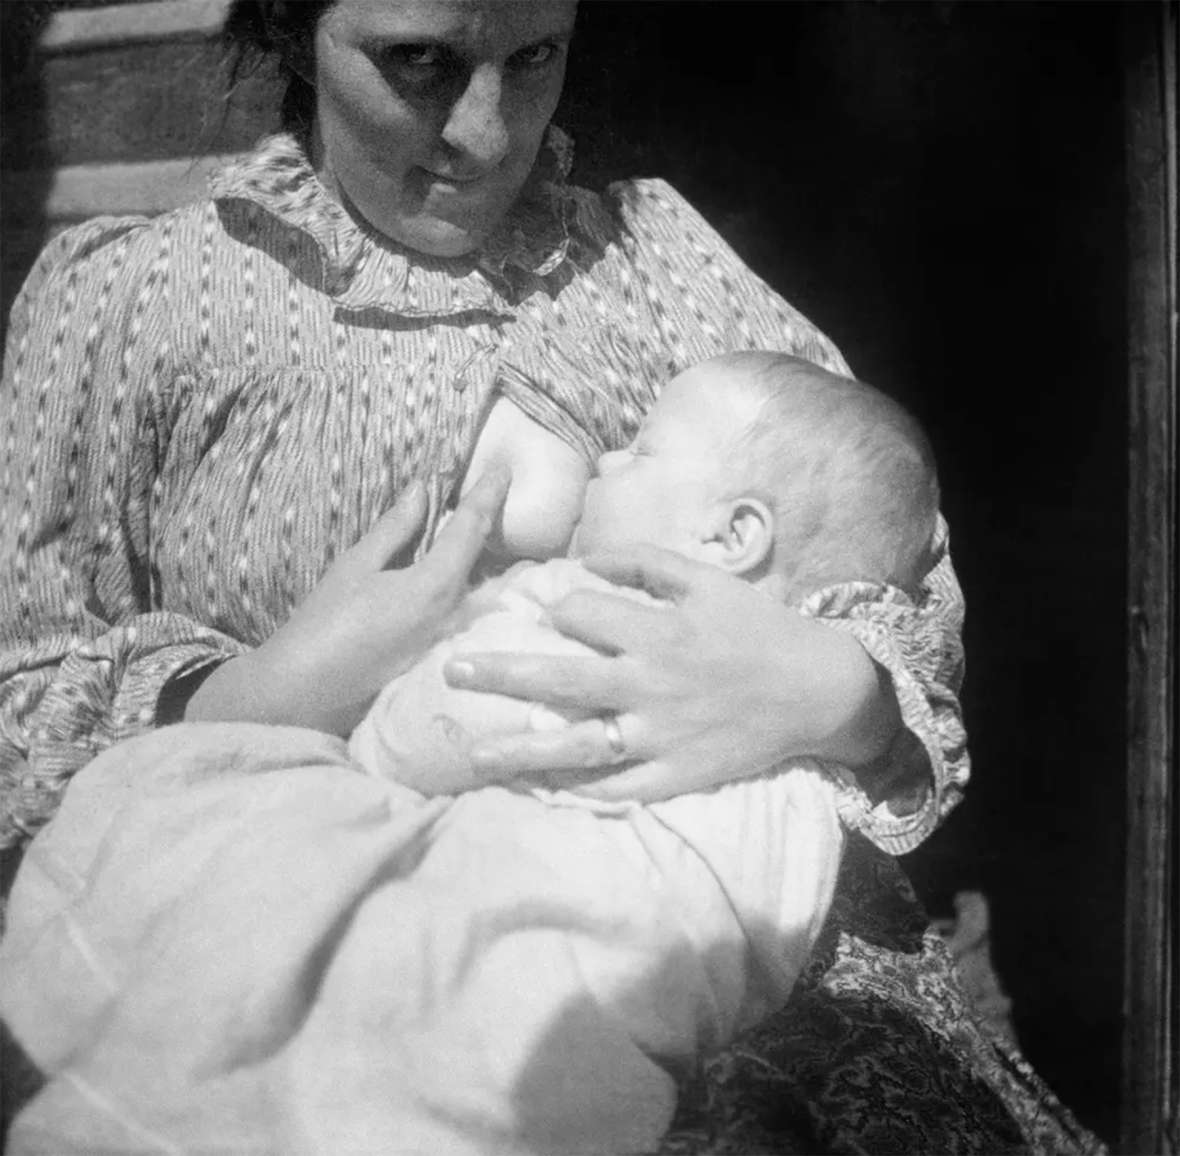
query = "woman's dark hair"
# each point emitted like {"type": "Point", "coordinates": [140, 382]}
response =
{"type": "Point", "coordinates": [256, 31]}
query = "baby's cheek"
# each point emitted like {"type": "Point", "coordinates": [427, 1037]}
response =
{"type": "Point", "coordinates": [600, 523]}
{"type": "Point", "coordinates": [612, 523]}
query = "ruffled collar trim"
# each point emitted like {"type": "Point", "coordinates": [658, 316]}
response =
{"type": "Point", "coordinates": [364, 269]}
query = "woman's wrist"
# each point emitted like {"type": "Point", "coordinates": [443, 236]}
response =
{"type": "Point", "coordinates": [854, 712]}
{"type": "Point", "coordinates": [178, 692]}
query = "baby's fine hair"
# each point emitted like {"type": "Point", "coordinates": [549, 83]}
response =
{"type": "Point", "coordinates": [848, 473]}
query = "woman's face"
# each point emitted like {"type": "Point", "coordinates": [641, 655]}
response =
{"type": "Point", "coordinates": [429, 113]}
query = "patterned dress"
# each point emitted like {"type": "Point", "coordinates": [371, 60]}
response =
{"type": "Point", "coordinates": [199, 411]}
{"type": "Point", "coordinates": [202, 409]}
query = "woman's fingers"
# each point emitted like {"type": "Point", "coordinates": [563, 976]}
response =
{"type": "Point", "coordinates": [461, 540]}
{"type": "Point", "coordinates": [486, 496]}
{"type": "Point", "coordinates": [588, 685]}
{"type": "Point", "coordinates": [645, 782]}
{"type": "Point", "coordinates": [662, 573]}
{"type": "Point", "coordinates": [393, 532]}
{"type": "Point", "coordinates": [604, 621]}
{"type": "Point", "coordinates": [580, 747]}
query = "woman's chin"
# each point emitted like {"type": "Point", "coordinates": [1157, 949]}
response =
{"type": "Point", "coordinates": [433, 237]}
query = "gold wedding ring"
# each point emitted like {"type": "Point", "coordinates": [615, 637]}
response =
{"type": "Point", "coordinates": [614, 736]}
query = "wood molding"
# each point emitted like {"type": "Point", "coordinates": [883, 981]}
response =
{"type": "Point", "coordinates": [75, 192]}
{"type": "Point", "coordinates": [1150, 1098]}
{"type": "Point", "coordinates": [80, 30]}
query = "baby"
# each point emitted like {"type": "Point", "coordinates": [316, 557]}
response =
{"type": "Point", "coordinates": [761, 464]}
{"type": "Point", "coordinates": [580, 954]}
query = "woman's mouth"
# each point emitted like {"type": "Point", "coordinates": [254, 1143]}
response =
{"type": "Point", "coordinates": [450, 182]}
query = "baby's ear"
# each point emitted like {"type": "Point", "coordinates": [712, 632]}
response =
{"type": "Point", "coordinates": [744, 539]}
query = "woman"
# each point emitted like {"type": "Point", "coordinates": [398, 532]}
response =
{"type": "Point", "coordinates": [319, 333]}
{"type": "Point", "coordinates": [397, 296]}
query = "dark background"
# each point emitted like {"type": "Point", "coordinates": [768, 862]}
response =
{"type": "Point", "coordinates": [940, 187]}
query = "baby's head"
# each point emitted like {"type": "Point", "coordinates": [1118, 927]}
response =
{"type": "Point", "coordinates": [774, 470]}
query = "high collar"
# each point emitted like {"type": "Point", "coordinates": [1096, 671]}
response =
{"type": "Point", "coordinates": [363, 269]}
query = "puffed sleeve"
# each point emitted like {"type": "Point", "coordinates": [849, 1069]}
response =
{"type": "Point", "coordinates": [84, 656]}
{"type": "Point", "coordinates": [919, 642]}
{"type": "Point", "coordinates": [704, 300]}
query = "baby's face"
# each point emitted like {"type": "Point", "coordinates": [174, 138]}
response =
{"type": "Point", "coordinates": [665, 487]}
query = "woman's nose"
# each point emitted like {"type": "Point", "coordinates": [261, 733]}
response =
{"type": "Point", "coordinates": [475, 127]}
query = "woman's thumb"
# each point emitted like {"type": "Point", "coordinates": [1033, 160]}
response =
{"type": "Point", "coordinates": [394, 531]}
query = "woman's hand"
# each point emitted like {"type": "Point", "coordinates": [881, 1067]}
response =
{"type": "Point", "coordinates": [364, 623]}
{"type": "Point", "coordinates": [717, 683]}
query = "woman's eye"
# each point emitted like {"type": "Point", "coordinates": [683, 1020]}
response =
{"type": "Point", "coordinates": [534, 56]}
{"type": "Point", "coordinates": [415, 56]}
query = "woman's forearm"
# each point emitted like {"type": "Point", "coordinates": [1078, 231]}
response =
{"type": "Point", "coordinates": [241, 690]}
{"type": "Point", "coordinates": [252, 688]}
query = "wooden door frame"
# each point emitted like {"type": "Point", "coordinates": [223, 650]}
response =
{"type": "Point", "coordinates": [1150, 1071]}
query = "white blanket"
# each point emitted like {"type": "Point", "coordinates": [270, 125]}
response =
{"type": "Point", "coordinates": [230, 941]}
